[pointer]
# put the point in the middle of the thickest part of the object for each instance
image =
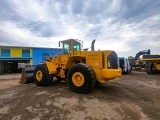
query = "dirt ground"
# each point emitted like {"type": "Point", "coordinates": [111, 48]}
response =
{"type": "Point", "coordinates": [134, 96]}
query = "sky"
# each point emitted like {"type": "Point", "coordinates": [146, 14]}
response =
{"type": "Point", "coordinates": [125, 26]}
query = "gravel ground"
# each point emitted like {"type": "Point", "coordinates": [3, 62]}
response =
{"type": "Point", "coordinates": [134, 96]}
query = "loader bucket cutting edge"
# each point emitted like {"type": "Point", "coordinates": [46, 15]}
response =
{"type": "Point", "coordinates": [27, 75]}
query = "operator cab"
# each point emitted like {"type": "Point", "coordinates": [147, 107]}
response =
{"type": "Point", "coordinates": [70, 44]}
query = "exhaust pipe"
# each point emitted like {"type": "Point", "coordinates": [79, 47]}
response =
{"type": "Point", "coordinates": [92, 45]}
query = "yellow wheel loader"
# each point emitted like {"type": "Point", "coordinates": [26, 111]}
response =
{"type": "Point", "coordinates": [152, 63]}
{"type": "Point", "coordinates": [81, 69]}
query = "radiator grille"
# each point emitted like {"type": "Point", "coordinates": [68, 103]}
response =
{"type": "Point", "coordinates": [112, 61]}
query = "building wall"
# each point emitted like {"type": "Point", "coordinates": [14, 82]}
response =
{"type": "Point", "coordinates": [40, 53]}
{"type": "Point", "coordinates": [14, 58]}
{"type": "Point", "coordinates": [31, 53]}
{"type": "Point", "coordinates": [15, 52]}
{"type": "Point", "coordinates": [36, 55]}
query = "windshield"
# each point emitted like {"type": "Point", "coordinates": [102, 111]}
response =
{"type": "Point", "coordinates": [66, 48]}
{"type": "Point", "coordinates": [71, 45]}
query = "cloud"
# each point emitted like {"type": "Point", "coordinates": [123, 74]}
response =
{"type": "Point", "coordinates": [124, 26]}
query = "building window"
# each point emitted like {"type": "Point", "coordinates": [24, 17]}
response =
{"type": "Point", "coordinates": [5, 52]}
{"type": "Point", "coordinates": [25, 53]}
{"type": "Point", "coordinates": [44, 56]}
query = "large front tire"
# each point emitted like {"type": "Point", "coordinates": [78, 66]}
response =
{"type": "Point", "coordinates": [42, 76]}
{"type": "Point", "coordinates": [81, 78]}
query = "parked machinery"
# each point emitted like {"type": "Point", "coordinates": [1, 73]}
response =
{"type": "Point", "coordinates": [136, 62]}
{"type": "Point", "coordinates": [152, 63]}
{"type": "Point", "coordinates": [80, 68]}
{"type": "Point", "coordinates": [124, 65]}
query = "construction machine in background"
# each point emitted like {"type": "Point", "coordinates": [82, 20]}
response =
{"type": "Point", "coordinates": [79, 68]}
{"type": "Point", "coordinates": [137, 63]}
{"type": "Point", "coordinates": [124, 65]}
{"type": "Point", "coordinates": [152, 63]}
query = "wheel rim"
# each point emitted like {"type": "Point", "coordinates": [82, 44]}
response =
{"type": "Point", "coordinates": [39, 75]}
{"type": "Point", "coordinates": [78, 79]}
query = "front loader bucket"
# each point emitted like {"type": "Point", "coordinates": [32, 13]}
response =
{"type": "Point", "coordinates": [27, 75]}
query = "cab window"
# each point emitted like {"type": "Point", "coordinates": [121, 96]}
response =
{"type": "Point", "coordinates": [76, 46]}
{"type": "Point", "coordinates": [66, 48]}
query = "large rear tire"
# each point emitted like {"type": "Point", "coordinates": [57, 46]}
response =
{"type": "Point", "coordinates": [81, 78]}
{"type": "Point", "coordinates": [42, 76]}
{"type": "Point", "coordinates": [149, 68]}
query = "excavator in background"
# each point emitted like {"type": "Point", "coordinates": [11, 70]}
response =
{"type": "Point", "coordinates": [80, 68]}
{"type": "Point", "coordinates": [136, 62]}
{"type": "Point", "coordinates": [152, 63]}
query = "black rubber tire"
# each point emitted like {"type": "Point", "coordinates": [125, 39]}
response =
{"type": "Point", "coordinates": [157, 71]}
{"type": "Point", "coordinates": [89, 78]}
{"type": "Point", "coordinates": [149, 67]}
{"type": "Point", "coordinates": [46, 77]}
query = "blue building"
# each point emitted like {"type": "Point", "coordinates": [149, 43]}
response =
{"type": "Point", "coordinates": [39, 54]}
{"type": "Point", "coordinates": [13, 58]}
